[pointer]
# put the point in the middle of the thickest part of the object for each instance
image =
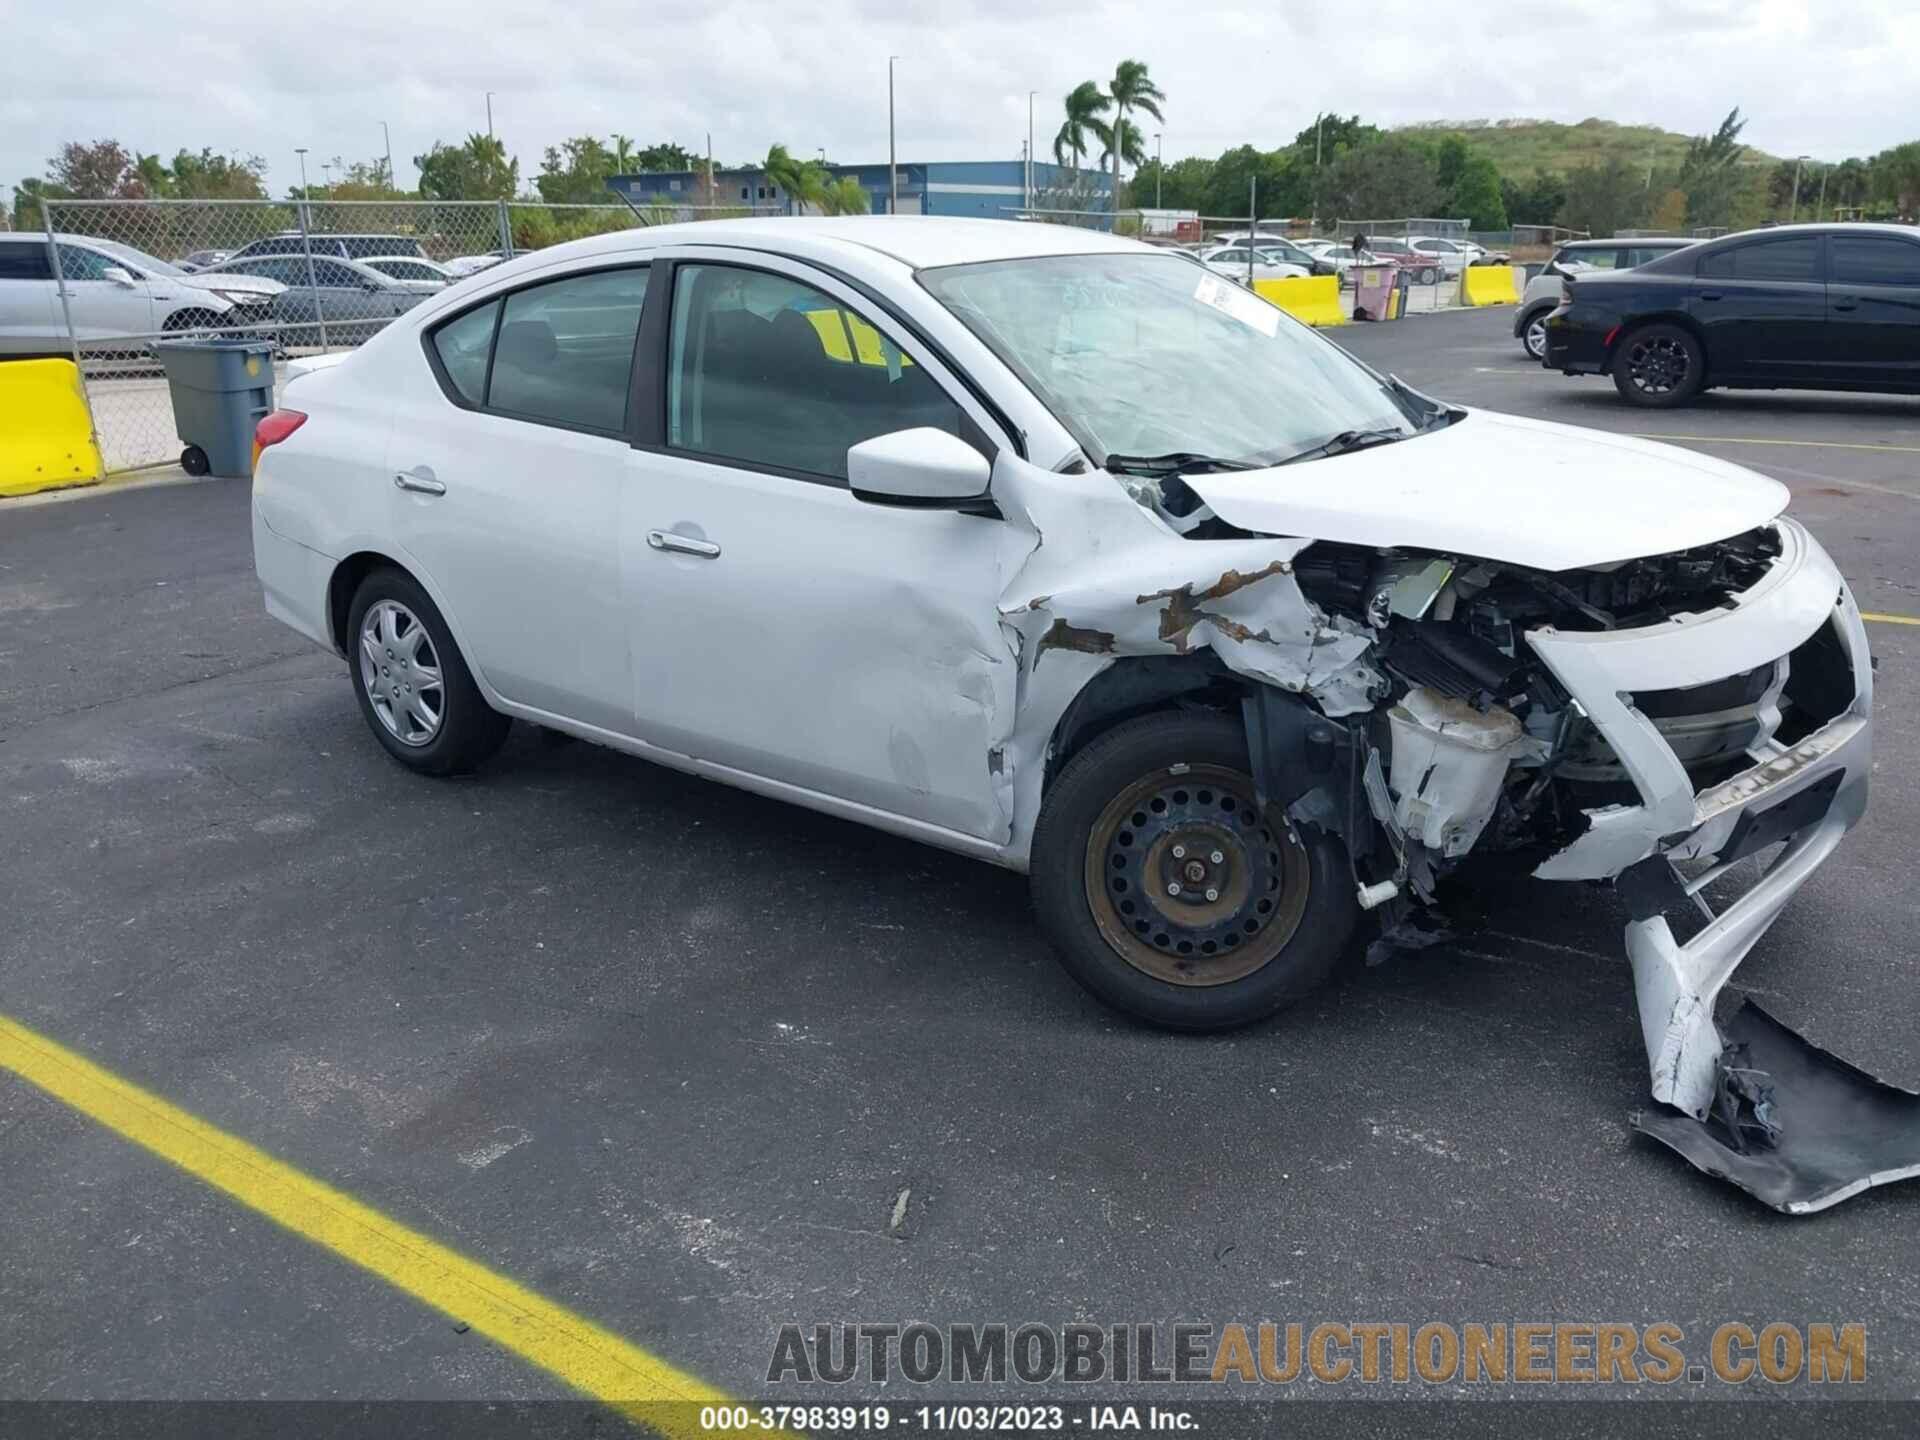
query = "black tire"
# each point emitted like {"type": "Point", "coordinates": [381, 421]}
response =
{"type": "Point", "coordinates": [1658, 367]}
{"type": "Point", "coordinates": [1297, 929]}
{"type": "Point", "coordinates": [190, 320]}
{"type": "Point", "coordinates": [1427, 276]}
{"type": "Point", "coordinates": [194, 460]}
{"type": "Point", "coordinates": [468, 730]}
{"type": "Point", "coordinates": [1532, 327]}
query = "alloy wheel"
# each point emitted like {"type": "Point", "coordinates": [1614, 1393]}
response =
{"type": "Point", "coordinates": [1536, 337]}
{"type": "Point", "coordinates": [1658, 365]}
{"type": "Point", "coordinates": [401, 673]}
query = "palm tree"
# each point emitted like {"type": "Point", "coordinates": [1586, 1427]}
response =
{"type": "Point", "coordinates": [843, 197]}
{"type": "Point", "coordinates": [1086, 103]}
{"type": "Point", "coordinates": [804, 181]}
{"type": "Point", "coordinates": [1133, 89]}
{"type": "Point", "coordinates": [622, 154]}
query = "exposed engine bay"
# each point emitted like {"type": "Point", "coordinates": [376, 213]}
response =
{"type": "Point", "coordinates": [1648, 723]}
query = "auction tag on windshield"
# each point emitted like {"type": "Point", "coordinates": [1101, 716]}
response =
{"type": "Point", "coordinates": [1229, 299]}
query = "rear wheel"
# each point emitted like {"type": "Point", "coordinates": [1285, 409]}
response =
{"type": "Point", "coordinates": [1659, 366]}
{"type": "Point", "coordinates": [1169, 894]}
{"type": "Point", "coordinates": [1533, 335]}
{"type": "Point", "coordinates": [1427, 275]}
{"type": "Point", "coordinates": [415, 690]}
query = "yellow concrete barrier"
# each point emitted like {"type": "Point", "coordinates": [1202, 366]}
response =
{"type": "Point", "coordinates": [1314, 299]}
{"type": "Point", "coordinates": [45, 438]}
{"type": "Point", "coordinates": [1488, 285]}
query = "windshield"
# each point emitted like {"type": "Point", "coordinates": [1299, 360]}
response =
{"type": "Point", "coordinates": [1142, 354]}
{"type": "Point", "coordinates": [152, 264]}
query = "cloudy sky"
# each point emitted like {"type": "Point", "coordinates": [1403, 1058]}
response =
{"type": "Point", "coordinates": [1827, 78]}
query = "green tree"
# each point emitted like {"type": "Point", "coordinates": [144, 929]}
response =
{"type": "Point", "coordinates": [1896, 178]}
{"type": "Point", "coordinates": [1132, 89]}
{"type": "Point", "coordinates": [1606, 197]}
{"type": "Point", "coordinates": [843, 197]}
{"type": "Point", "coordinates": [208, 176]}
{"type": "Point", "coordinates": [28, 196]}
{"type": "Point", "coordinates": [100, 171]}
{"type": "Point", "coordinates": [475, 170]}
{"type": "Point", "coordinates": [1475, 193]}
{"type": "Point", "coordinates": [804, 181]}
{"type": "Point", "coordinates": [663, 156]}
{"type": "Point", "coordinates": [1391, 179]}
{"type": "Point", "coordinates": [1849, 183]}
{"type": "Point", "coordinates": [1227, 183]}
{"type": "Point", "coordinates": [1710, 173]}
{"type": "Point", "coordinates": [1085, 104]}
{"type": "Point", "coordinates": [1535, 200]}
{"type": "Point", "coordinates": [575, 172]}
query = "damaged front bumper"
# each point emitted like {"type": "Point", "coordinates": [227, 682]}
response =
{"type": "Point", "coordinates": [1666, 852]}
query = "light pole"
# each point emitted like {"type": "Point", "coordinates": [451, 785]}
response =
{"type": "Point", "coordinates": [326, 178]}
{"type": "Point", "coordinates": [1823, 192]}
{"type": "Point", "coordinates": [1793, 204]}
{"type": "Point", "coordinates": [489, 114]}
{"type": "Point", "coordinates": [1159, 169]}
{"type": "Point", "coordinates": [301, 151]}
{"type": "Point", "coordinates": [1030, 95]}
{"type": "Point", "coordinates": [1318, 120]}
{"type": "Point", "coordinates": [391, 184]}
{"type": "Point", "coordinates": [893, 173]}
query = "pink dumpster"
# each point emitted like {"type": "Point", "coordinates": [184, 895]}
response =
{"type": "Point", "coordinates": [1373, 290]}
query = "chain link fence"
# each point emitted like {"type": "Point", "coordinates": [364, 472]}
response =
{"type": "Point", "coordinates": [307, 277]}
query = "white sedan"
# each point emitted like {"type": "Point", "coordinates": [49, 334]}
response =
{"type": "Point", "coordinates": [975, 532]}
{"type": "Point", "coordinates": [1231, 261]}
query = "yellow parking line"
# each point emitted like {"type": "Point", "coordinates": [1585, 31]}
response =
{"type": "Point", "coordinates": [588, 1358]}
{"type": "Point", "coordinates": [1890, 619]}
{"type": "Point", "coordinates": [1756, 440]}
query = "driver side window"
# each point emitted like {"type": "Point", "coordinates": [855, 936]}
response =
{"type": "Point", "coordinates": [776, 374]}
{"type": "Point", "coordinates": [77, 263]}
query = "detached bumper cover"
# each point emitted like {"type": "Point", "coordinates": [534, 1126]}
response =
{"type": "Point", "coordinates": [1806, 793]}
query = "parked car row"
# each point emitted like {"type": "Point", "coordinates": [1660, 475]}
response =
{"type": "Point", "coordinates": [1806, 307]}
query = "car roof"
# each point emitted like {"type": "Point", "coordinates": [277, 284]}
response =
{"type": "Point", "coordinates": [919, 242]}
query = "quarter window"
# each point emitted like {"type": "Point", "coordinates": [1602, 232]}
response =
{"type": "Point", "coordinates": [563, 354]}
{"type": "Point", "coordinates": [20, 260]}
{"type": "Point", "coordinates": [771, 372]}
{"type": "Point", "coordinates": [1875, 260]}
{"type": "Point", "coordinates": [1797, 258]}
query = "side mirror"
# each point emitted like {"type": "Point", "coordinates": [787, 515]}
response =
{"type": "Point", "coordinates": [923, 467]}
{"type": "Point", "coordinates": [118, 276]}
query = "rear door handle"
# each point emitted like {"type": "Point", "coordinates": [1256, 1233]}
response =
{"type": "Point", "coordinates": [683, 544]}
{"type": "Point", "coordinates": [1709, 294]}
{"type": "Point", "coordinates": [421, 484]}
{"type": "Point", "coordinates": [1848, 303]}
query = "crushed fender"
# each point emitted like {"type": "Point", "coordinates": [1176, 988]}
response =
{"type": "Point", "coordinates": [1793, 1125]}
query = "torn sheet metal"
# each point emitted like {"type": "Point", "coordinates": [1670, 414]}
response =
{"type": "Point", "coordinates": [1793, 1125]}
{"type": "Point", "coordinates": [1104, 580]}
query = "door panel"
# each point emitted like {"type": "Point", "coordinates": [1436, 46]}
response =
{"type": "Point", "coordinates": [102, 307]}
{"type": "Point", "coordinates": [524, 542]}
{"type": "Point", "coordinates": [780, 625]}
{"type": "Point", "coordinates": [1873, 316]}
{"type": "Point", "coordinates": [1762, 306]}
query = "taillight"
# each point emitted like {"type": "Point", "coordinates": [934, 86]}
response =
{"type": "Point", "coordinates": [274, 427]}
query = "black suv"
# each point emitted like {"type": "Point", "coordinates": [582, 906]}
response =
{"type": "Point", "coordinates": [1805, 307]}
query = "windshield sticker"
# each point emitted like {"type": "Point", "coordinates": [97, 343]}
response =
{"type": "Point", "coordinates": [1229, 299]}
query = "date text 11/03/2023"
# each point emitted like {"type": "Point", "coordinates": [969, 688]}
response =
{"type": "Point", "coordinates": [942, 1419]}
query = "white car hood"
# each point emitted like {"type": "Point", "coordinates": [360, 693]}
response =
{"type": "Point", "coordinates": [238, 284]}
{"type": "Point", "coordinates": [1497, 487]}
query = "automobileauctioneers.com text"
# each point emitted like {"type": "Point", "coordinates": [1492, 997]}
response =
{"type": "Point", "coordinates": [1230, 1358]}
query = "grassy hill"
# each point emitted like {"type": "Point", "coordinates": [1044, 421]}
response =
{"type": "Point", "coordinates": [1522, 148]}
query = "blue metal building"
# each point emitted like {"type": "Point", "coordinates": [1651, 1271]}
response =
{"type": "Point", "coordinates": [990, 189]}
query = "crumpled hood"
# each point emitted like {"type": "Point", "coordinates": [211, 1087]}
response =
{"type": "Point", "coordinates": [1498, 487]}
{"type": "Point", "coordinates": [219, 280]}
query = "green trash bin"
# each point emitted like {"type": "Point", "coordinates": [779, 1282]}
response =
{"type": "Point", "coordinates": [221, 389]}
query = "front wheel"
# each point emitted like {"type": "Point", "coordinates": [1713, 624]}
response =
{"type": "Point", "coordinates": [1658, 367]}
{"type": "Point", "coordinates": [1427, 276]}
{"type": "Point", "coordinates": [415, 690]}
{"type": "Point", "coordinates": [1169, 894]}
{"type": "Point", "coordinates": [1534, 336]}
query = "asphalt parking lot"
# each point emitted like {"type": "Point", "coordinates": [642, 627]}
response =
{"type": "Point", "coordinates": [670, 1055]}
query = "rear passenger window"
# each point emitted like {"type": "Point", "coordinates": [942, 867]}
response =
{"type": "Point", "coordinates": [1875, 260]}
{"type": "Point", "coordinates": [565, 350]}
{"type": "Point", "coordinates": [463, 345]}
{"type": "Point", "coordinates": [1791, 259]}
{"type": "Point", "coordinates": [22, 260]}
{"type": "Point", "coordinates": [767, 371]}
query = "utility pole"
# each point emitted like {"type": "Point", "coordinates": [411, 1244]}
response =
{"type": "Point", "coordinates": [489, 114]}
{"type": "Point", "coordinates": [1159, 169]}
{"type": "Point", "coordinates": [1823, 192]}
{"type": "Point", "coordinates": [713, 195]}
{"type": "Point", "coordinates": [1793, 204]}
{"type": "Point", "coordinates": [893, 173]}
{"type": "Point", "coordinates": [392, 184]}
{"type": "Point", "coordinates": [1319, 119]}
{"type": "Point", "coordinates": [1030, 95]}
{"type": "Point", "coordinates": [326, 178]}
{"type": "Point", "coordinates": [301, 151]}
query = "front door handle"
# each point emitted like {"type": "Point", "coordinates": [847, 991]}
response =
{"type": "Point", "coordinates": [422, 484]}
{"type": "Point", "coordinates": [684, 544]}
{"type": "Point", "coordinates": [1709, 294]}
{"type": "Point", "coordinates": [1849, 302]}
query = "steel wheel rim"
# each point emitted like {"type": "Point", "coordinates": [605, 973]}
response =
{"type": "Point", "coordinates": [1162, 832]}
{"type": "Point", "coordinates": [1537, 338]}
{"type": "Point", "coordinates": [400, 671]}
{"type": "Point", "coordinates": [1658, 366]}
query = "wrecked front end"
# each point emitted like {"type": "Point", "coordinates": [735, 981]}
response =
{"type": "Point", "coordinates": [1651, 724]}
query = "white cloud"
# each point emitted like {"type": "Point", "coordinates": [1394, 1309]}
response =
{"type": "Point", "coordinates": [1827, 81]}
